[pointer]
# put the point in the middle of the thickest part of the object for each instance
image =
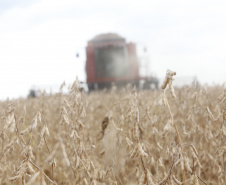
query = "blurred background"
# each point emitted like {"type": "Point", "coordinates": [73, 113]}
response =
{"type": "Point", "coordinates": [42, 42]}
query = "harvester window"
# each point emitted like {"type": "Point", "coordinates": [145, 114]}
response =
{"type": "Point", "coordinates": [111, 62]}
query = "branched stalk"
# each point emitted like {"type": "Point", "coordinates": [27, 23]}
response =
{"type": "Point", "coordinates": [46, 145]}
{"type": "Point", "coordinates": [142, 162]}
{"type": "Point", "coordinates": [35, 165]}
{"type": "Point", "coordinates": [178, 136]}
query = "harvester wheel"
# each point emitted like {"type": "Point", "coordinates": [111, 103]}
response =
{"type": "Point", "coordinates": [146, 85]}
{"type": "Point", "coordinates": [91, 87]}
{"type": "Point", "coordinates": [150, 85]}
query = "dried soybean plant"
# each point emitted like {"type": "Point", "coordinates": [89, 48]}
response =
{"type": "Point", "coordinates": [73, 114]}
{"type": "Point", "coordinates": [53, 138]}
{"type": "Point", "coordinates": [178, 155]}
{"type": "Point", "coordinates": [134, 141]}
{"type": "Point", "coordinates": [19, 143]}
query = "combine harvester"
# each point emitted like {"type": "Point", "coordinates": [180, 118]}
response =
{"type": "Point", "coordinates": [111, 60]}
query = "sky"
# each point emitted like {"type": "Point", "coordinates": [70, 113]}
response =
{"type": "Point", "coordinates": [39, 39]}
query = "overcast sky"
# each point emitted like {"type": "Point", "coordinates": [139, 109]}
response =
{"type": "Point", "coordinates": [39, 39]}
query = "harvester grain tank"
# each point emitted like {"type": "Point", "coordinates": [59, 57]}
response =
{"type": "Point", "coordinates": [110, 59]}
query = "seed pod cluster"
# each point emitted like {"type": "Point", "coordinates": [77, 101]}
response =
{"type": "Point", "coordinates": [168, 80]}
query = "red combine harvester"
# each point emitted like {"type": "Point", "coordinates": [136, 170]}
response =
{"type": "Point", "coordinates": [111, 60]}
